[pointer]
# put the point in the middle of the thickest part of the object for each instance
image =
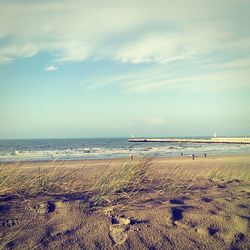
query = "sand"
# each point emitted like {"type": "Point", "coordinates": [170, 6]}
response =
{"type": "Point", "coordinates": [203, 204]}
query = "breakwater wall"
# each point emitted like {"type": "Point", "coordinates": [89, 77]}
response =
{"type": "Point", "coordinates": [231, 140]}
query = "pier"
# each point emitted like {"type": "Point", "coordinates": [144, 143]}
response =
{"type": "Point", "coordinates": [226, 140]}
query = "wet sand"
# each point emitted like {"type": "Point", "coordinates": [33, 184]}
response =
{"type": "Point", "coordinates": [204, 204]}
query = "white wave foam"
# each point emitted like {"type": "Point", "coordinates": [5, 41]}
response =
{"type": "Point", "coordinates": [102, 152]}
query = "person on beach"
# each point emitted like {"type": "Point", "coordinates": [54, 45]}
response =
{"type": "Point", "coordinates": [193, 156]}
{"type": "Point", "coordinates": [181, 154]}
{"type": "Point", "coordinates": [131, 155]}
{"type": "Point", "coordinates": [205, 155]}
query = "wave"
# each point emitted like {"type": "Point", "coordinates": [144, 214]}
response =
{"type": "Point", "coordinates": [118, 152]}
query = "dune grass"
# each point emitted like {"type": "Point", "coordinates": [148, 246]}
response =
{"type": "Point", "coordinates": [9, 177]}
{"type": "Point", "coordinates": [125, 179]}
{"type": "Point", "coordinates": [121, 181]}
{"type": "Point", "coordinates": [54, 178]}
{"type": "Point", "coordinates": [227, 174]}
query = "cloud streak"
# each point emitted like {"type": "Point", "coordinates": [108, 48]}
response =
{"type": "Point", "coordinates": [194, 76]}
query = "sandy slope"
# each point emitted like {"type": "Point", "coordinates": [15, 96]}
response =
{"type": "Point", "coordinates": [209, 214]}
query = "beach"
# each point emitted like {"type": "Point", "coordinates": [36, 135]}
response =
{"type": "Point", "coordinates": [124, 125]}
{"type": "Point", "coordinates": [140, 203]}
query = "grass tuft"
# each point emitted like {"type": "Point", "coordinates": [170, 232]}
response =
{"type": "Point", "coordinates": [126, 179]}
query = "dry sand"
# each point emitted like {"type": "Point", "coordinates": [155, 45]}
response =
{"type": "Point", "coordinates": [203, 204]}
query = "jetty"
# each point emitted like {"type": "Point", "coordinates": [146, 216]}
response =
{"type": "Point", "coordinates": [226, 140]}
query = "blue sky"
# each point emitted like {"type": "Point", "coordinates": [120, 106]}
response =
{"type": "Point", "coordinates": [110, 68]}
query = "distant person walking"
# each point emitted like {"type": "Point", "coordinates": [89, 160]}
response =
{"type": "Point", "coordinates": [205, 155]}
{"type": "Point", "coordinates": [193, 156]}
{"type": "Point", "coordinates": [131, 154]}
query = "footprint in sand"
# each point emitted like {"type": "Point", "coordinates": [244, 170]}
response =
{"type": "Point", "coordinates": [10, 223]}
{"type": "Point", "coordinates": [4, 209]}
{"type": "Point", "coordinates": [118, 230]}
{"type": "Point", "coordinates": [243, 206]}
{"type": "Point", "coordinates": [212, 231]}
{"type": "Point", "coordinates": [45, 207]}
{"type": "Point", "coordinates": [176, 201]}
{"type": "Point", "coordinates": [177, 213]}
{"type": "Point", "coordinates": [206, 199]}
{"type": "Point", "coordinates": [213, 212]}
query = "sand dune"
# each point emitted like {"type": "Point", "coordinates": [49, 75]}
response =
{"type": "Point", "coordinates": [200, 204]}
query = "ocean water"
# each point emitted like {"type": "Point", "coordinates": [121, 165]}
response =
{"type": "Point", "coordinates": [106, 148]}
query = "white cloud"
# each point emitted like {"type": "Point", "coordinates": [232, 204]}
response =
{"type": "Point", "coordinates": [51, 68]}
{"type": "Point", "coordinates": [136, 31]}
{"type": "Point", "coordinates": [9, 53]}
{"type": "Point", "coordinates": [163, 48]}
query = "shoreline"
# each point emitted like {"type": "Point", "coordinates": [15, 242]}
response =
{"type": "Point", "coordinates": [119, 160]}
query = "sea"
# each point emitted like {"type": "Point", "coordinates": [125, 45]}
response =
{"type": "Point", "coordinates": [106, 148]}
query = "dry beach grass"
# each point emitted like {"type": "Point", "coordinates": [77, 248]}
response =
{"type": "Point", "coordinates": [149, 203]}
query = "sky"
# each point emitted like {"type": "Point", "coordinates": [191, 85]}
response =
{"type": "Point", "coordinates": [112, 68]}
